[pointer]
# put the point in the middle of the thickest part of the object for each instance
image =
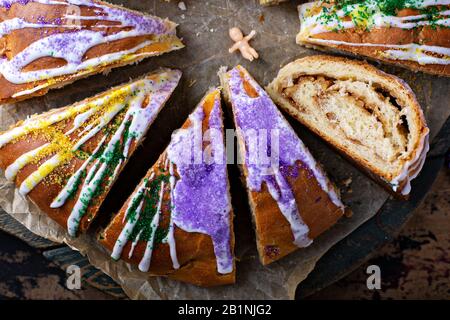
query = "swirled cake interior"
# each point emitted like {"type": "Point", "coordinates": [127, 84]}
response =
{"type": "Point", "coordinates": [370, 120]}
{"type": "Point", "coordinates": [370, 116]}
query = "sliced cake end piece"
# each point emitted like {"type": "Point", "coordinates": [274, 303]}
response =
{"type": "Point", "coordinates": [179, 221]}
{"type": "Point", "coordinates": [403, 33]}
{"type": "Point", "coordinates": [290, 196]}
{"type": "Point", "coordinates": [67, 159]}
{"type": "Point", "coordinates": [372, 117]}
{"type": "Point", "coordinates": [72, 39]}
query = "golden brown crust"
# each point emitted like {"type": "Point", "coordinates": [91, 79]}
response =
{"type": "Point", "coordinates": [44, 193]}
{"type": "Point", "coordinates": [423, 35]}
{"type": "Point", "coordinates": [195, 251]}
{"type": "Point", "coordinates": [14, 42]}
{"type": "Point", "coordinates": [372, 54]}
{"type": "Point", "coordinates": [273, 232]}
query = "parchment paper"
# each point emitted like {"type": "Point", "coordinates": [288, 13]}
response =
{"type": "Point", "coordinates": [204, 27]}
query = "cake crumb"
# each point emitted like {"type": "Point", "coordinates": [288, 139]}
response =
{"type": "Point", "coordinates": [182, 6]}
{"type": "Point", "coordinates": [261, 18]}
{"type": "Point", "coordinates": [347, 182]}
{"type": "Point", "coordinates": [348, 213]}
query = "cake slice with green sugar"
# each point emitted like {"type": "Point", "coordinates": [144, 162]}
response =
{"type": "Point", "coordinates": [66, 160]}
{"type": "Point", "coordinates": [178, 223]}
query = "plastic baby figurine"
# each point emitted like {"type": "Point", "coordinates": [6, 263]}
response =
{"type": "Point", "coordinates": [242, 44]}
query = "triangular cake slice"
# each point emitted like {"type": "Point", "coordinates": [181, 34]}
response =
{"type": "Point", "coordinates": [67, 159]}
{"type": "Point", "coordinates": [371, 117]}
{"type": "Point", "coordinates": [49, 44]}
{"type": "Point", "coordinates": [178, 222]}
{"type": "Point", "coordinates": [290, 196]}
{"type": "Point", "coordinates": [411, 34]}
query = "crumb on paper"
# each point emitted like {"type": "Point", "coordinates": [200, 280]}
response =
{"type": "Point", "coordinates": [348, 213]}
{"type": "Point", "coordinates": [270, 2]}
{"type": "Point", "coordinates": [242, 44]}
{"type": "Point", "coordinates": [261, 18]}
{"type": "Point", "coordinates": [347, 182]}
{"type": "Point", "coordinates": [191, 83]}
{"type": "Point", "coordinates": [182, 6]}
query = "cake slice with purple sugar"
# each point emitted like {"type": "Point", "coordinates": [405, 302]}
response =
{"type": "Point", "coordinates": [178, 222]}
{"type": "Point", "coordinates": [291, 198]}
{"type": "Point", "coordinates": [49, 44]}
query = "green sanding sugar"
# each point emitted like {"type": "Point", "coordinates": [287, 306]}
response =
{"type": "Point", "coordinates": [151, 200]}
{"type": "Point", "coordinates": [362, 12]}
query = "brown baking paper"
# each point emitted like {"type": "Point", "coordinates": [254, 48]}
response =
{"type": "Point", "coordinates": [204, 27]}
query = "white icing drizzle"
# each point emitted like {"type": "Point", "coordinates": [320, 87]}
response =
{"type": "Point", "coordinates": [66, 191]}
{"type": "Point", "coordinates": [86, 66]}
{"type": "Point", "coordinates": [72, 46]}
{"type": "Point", "coordinates": [22, 161]}
{"type": "Point", "coordinates": [136, 121]}
{"type": "Point", "coordinates": [11, 69]}
{"type": "Point", "coordinates": [80, 120]}
{"type": "Point", "coordinates": [134, 244]}
{"type": "Point", "coordinates": [419, 53]}
{"type": "Point", "coordinates": [125, 234]}
{"type": "Point", "coordinates": [129, 226]}
{"type": "Point", "coordinates": [8, 26]}
{"type": "Point", "coordinates": [428, 3]}
{"type": "Point", "coordinates": [412, 168]}
{"type": "Point", "coordinates": [144, 265]}
{"type": "Point", "coordinates": [86, 194]}
{"type": "Point", "coordinates": [299, 228]}
{"type": "Point", "coordinates": [412, 52]}
{"type": "Point", "coordinates": [422, 54]}
{"type": "Point", "coordinates": [104, 120]}
{"type": "Point", "coordinates": [40, 174]}
{"type": "Point", "coordinates": [29, 91]}
{"type": "Point", "coordinates": [170, 238]}
{"type": "Point", "coordinates": [35, 123]}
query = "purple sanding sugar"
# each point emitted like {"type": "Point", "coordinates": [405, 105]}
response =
{"type": "Point", "coordinates": [201, 199]}
{"type": "Point", "coordinates": [254, 111]}
{"type": "Point", "coordinates": [72, 45]}
{"type": "Point", "coordinates": [141, 23]}
{"type": "Point", "coordinates": [259, 114]}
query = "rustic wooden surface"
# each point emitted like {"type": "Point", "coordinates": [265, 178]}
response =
{"type": "Point", "coordinates": [13, 227]}
{"type": "Point", "coordinates": [26, 274]}
{"type": "Point", "coordinates": [416, 265]}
